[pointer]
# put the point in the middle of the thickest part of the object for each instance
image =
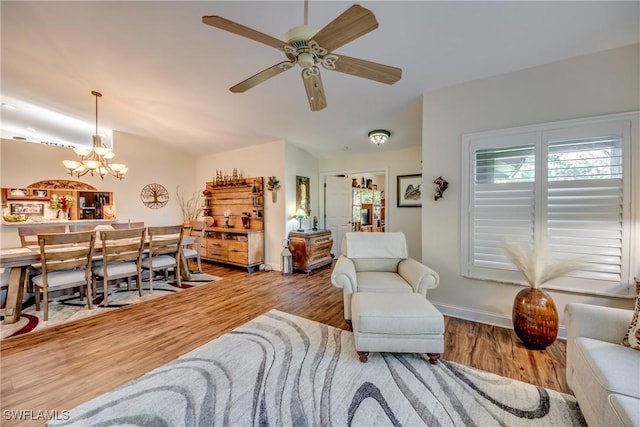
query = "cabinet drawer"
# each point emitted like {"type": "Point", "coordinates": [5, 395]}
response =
{"type": "Point", "coordinates": [238, 252]}
{"type": "Point", "coordinates": [216, 248]}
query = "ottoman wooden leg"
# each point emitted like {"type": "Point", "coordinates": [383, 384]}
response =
{"type": "Point", "coordinates": [363, 356]}
{"type": "Point", "coordinates": [433, 358]}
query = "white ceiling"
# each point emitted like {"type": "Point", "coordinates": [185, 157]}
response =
{"type": "Point", "coordinates": [165, 75]}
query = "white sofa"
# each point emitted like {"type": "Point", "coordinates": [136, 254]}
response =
{"type": "Point", "coordinates": [603, 374]}
{"type": "Point", "coordinates": [379, 262]}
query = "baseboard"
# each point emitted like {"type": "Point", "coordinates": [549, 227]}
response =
{"type": "Point", "coordinates": [485, 317]}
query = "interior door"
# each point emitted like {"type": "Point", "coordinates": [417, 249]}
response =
{"type": "Point", "coordinates": [337, 196]}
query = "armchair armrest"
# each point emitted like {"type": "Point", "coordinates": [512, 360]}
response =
{"type": "Point", "coordinates": [597, 322]}
{"type": "Point", "coordinates": [418, 275]}
{"type": "Point", "coordinates": [344, 275]}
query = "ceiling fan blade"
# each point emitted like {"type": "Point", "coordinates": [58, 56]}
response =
{"type": "Point", "coordinates": [368, 70]}
{"type": "Point", "coordinates": [314, 88]}
{"type": "Point", "coordinates": [262, 76]}
{"type": "Point", "coordinates": [351, 24]}
{"type": "Point", "coordinates": [241, 30]}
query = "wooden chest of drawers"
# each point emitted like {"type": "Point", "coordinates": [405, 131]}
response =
{"type": "Point", "coordinates": [310, 249]}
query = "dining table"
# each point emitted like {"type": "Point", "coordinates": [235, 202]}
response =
{"type": "Point", "coordinates": [19, 259]}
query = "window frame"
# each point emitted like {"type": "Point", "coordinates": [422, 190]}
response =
{"type": "Point", "coordinates": [538, 136]}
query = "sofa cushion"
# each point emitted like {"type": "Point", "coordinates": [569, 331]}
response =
{"type": "Point", "coordinates": [376, 281]}
{"type": "Point", "coordinates": [376, 264]}
{"type": "Point", "coordinates": [606, 368]}
{"type": "Point", "coordinates": [623, 410]}
{"type": "Point", "coordinates": [632, 337]}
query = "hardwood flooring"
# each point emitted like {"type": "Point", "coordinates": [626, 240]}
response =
{"type": "Point", "coordinates": [59, 368]}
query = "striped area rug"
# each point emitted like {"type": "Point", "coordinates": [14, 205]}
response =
{"type": "Point", "coordinates": [283, 370]}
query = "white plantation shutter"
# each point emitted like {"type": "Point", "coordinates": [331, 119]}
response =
{"type": "Point", "coordinates": [565, 181]}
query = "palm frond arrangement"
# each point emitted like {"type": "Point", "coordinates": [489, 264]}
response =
{"type": "Point", "coordinates": [532, 261]}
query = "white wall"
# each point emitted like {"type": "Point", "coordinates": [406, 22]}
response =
{"type": "Point", "coordinates": [149, 162]}
{"type": "Point", "coordinates": [397, 162]}
{"type": "Point", "coordinates": [260, 160]}
{"type": "Point", "coordinates": [300, 163]}
{"type": "Point", "coordinates": [601, 83]}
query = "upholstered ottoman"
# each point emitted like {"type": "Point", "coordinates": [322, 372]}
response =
{"type": "Point", "coordinates": [396, 323]}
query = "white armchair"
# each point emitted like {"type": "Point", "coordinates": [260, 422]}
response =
{"type": "Point", "coordinates": [379, 263]}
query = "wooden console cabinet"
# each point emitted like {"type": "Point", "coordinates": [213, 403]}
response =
{"type": "Point", "coordinates": [243, 248]}
{"type": "Point", "coordinates": [310, 249]}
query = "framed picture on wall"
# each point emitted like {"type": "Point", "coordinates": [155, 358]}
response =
{"type": "Point", "coordinates": [302, 194]}
{"type": "Point", "coordinates": [409, 191]}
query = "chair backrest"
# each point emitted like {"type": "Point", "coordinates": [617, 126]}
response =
{"type": "Point", "coordinates": [198, 230]}
{"type": "Point", "coordinates": [127, 225]}
{"type": "Point", "coordinates": [29, 235]}
{"type": "Point", "coordinates": [376, 251]}
{"type": "Point", "coordinates": [122, 245]}
{"type": "Point", "coordinates": [165, 240]}
{"type": "Point", "coordinates": [66, 251]}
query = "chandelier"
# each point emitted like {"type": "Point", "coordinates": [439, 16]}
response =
{"type": "Point", "coordinates": [95, 159]}
{"type": "Point", "coordinates": [379, 137]}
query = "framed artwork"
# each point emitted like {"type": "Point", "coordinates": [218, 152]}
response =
{"type": "Point", "coordinates": [302, 194]}
{"type": "Point", "coordinates": [27, 208]}
{"type": "Point", "coordinates": [409, 192]}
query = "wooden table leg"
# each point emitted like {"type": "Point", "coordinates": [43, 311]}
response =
{"type": "Point", "coordinates": [13, 307]}
{"type": "Point", "coordinates": [185, 274]}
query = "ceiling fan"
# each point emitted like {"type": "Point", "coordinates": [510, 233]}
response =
{"type": "Point", "coordinates": [306, 46]}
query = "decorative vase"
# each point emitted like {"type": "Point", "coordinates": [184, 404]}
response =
{"type": "Point", "coordinates": [535, 318]}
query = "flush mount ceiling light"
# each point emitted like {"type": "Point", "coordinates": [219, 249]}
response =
{"type": "Point", "coordinates": [95, 159]}
{"type": "Point", "coordinates": [379, 136]}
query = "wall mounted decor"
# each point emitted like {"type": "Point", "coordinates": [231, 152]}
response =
{"type": "Point", "coordinates": [409, 192]}
{"type": "Point", "coordinates": [441, 185]}
{"type": "Point", "coordinates": [273, 185]}
{"type": "Point", "coordinates": [302, 194]}
{"type": "Point", "coordinates": [154, 196]}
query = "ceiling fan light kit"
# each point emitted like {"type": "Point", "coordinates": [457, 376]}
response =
{"type": "Point", "coordinates": [379, 136]}
{"type": "Point", "coordinates": [308, 47]}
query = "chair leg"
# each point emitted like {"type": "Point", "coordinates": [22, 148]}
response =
{"type": "Point", "coordinates": [176, 271]}
{"type": "Point", "coordinates": [105, 285]}
{"type": "Point", "coordinates": [46, 304]}
{"type": "Point", "coordinates": [37, 295]}
{"type": "Point", "coordinates": [89, 300]}
{"type": "Point", "coordinates": [139, 283]}
{"type": "Point", "coordinates": [199, 264]}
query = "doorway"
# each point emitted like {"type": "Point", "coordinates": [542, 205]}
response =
{"type": "Point", "coordinates": [339, 206]}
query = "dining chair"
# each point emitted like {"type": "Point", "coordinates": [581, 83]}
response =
{"type": "Point", "coordinates": [66, 263]}
{"type": "Point", "coordinates": [121, 259]}
{"type": "Point", "coordinates": [127, 225]}
{"type": "Point", "coordinates": [29, 237]}
{"type": "Point", "coordinates": [164, 251]}
{"type": "Point", "coordinates": [192, 243]}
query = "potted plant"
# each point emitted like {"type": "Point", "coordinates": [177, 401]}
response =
{"type": "Point", "coordinates": [534, 315]}
{"type": "Point", "coordinates": [62, 204]}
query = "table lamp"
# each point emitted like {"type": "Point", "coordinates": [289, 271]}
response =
{"type": "Point", "coordinates": [300, 214]}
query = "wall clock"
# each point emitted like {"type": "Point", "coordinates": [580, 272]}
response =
{"type": "Point", "coordinates": [154, 196]}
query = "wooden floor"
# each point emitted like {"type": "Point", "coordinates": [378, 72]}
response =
{"type": "Point", "coordinates": [59, 368]}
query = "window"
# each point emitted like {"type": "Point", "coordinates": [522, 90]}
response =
{"type": "Point", "coordinates": [568, 182]}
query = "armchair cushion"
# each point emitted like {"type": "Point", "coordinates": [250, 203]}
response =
{"type": "Point", "coordinates": [381, 281]}
{"type": "Point", "coordinates": [388, 245]}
